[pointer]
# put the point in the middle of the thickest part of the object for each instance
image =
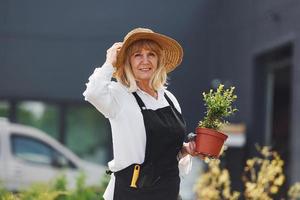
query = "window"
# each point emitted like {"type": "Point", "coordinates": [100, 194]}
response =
{"type": "Point", "coordinates": [87, 127]}
{"type": "Point", "coordinates": [71, 124]}
{"type": "Point", "coordinates": [40, 115]}
{"type": "Point", "coordinates": [36, 151]}
{"type": "Point", "coordinates": [4, 109]}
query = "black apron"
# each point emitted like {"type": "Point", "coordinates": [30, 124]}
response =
{"type": "Point", "coordinates": [165, 132]}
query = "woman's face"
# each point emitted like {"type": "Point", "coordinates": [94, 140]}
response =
{"type": "Point", "coordinates": [143, 63]}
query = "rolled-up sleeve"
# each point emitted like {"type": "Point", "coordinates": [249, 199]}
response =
{"type": "Point", "coordinates": [99, 91]}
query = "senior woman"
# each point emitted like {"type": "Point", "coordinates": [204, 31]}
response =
{"type": "Point", "coordinates": [148, 129]}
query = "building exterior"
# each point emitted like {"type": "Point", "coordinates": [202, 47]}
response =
{"type": "Point", "coordinates": [48, 50]}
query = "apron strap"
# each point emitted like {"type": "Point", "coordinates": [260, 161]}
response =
{"type": "Point", "coordinates": [169, 101]}
{"type": "Point", "coordinates": [176, 112]}
{"type": "Point", "coordinates": [139, 101]}
{"type": "Point", "coordinates": [142, 105]}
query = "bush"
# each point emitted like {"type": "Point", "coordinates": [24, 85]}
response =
{"type": "Point", "coordinates": [263, 176]}
{"type": "Point", "coordinates": [57, 190]}
{"type": "Point", "coordinates": [215, 184]}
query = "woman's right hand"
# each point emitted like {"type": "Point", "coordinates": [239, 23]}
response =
{"type": "Point", "coordinates": [112, 52]}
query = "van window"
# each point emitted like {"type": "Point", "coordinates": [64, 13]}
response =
{"type": "Point", "coordinates": [36, 151]}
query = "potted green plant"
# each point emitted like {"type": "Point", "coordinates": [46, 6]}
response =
{"type": "Point", "coordinates": [209, 140]}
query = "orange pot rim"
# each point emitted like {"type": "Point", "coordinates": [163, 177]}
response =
{"type": "Point", "coordinates": [213, 132]}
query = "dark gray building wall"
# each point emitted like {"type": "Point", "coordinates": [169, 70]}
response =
{"type": "Point", "coordinates": [242, 31]}
{"type": "Point", "coordinates": [54, 46]}
{"type": "Point", "coordinates": [295, 125]}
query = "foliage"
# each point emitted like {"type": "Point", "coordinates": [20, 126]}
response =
{"type": "Point", "coordinates": [57, 190]}
{"type": "Point", "coordinates": [36, 192]}
{"type": "Point", "coordinates": [294, 191]}
{"type": "Point", "coordinates": [40, 192]}
{"type": "Point", "coordinates": [218, 107]}
{"type": "Point", "coordinates": [263, 175]}
{"type": "Point", "coordinates": [215, 184]}
{"type": "Point", "coordinates": [4, 194]}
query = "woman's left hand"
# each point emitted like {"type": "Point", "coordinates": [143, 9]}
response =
{"type": "Point", "coordinates": [190, 149]}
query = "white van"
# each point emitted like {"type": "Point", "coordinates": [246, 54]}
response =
{"type": "Point", "coordinates": [28, 155]}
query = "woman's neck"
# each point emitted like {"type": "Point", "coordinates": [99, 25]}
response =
{"type": "Point", "coordinates": [146, 88]}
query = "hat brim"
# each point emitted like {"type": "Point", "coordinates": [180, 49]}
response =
{"type": "Point", "coordinates": [173, 52]}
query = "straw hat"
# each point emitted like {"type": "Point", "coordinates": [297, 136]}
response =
{"type": "Point", "coordinates": [172, 49]}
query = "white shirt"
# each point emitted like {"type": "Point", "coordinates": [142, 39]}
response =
{"type": "Point", "coordinates": [117, 103]}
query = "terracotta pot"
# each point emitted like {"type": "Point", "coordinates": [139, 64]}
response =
{"type": "Point", "coordinates": [209, 142]}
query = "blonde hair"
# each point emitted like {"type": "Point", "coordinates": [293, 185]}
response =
{"type": "Point", "coordinates": [125, 75]}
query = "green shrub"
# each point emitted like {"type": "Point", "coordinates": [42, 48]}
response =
{"type": "Point", "coordinates": [218, 107]}
{"type": "Point", "coordinates": [57, 190]}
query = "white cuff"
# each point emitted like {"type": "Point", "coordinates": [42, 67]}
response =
{"type": "Point", "coordinates": [185, 164]}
